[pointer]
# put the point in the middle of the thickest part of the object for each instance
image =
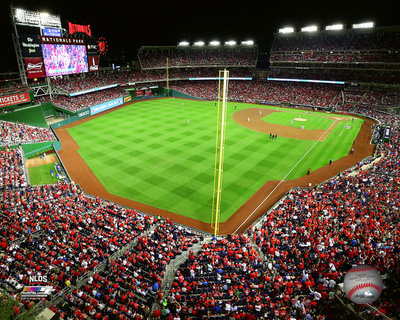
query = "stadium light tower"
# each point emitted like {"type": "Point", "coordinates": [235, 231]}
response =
{"type": "Point", "coordinates": [219, 148]}
{"type": "Point", "coordinates": [334, 27]}
{"type": "Point", "coordinates": [309, 29]}
{"type": "Point", "coordinates": [286, 30]}
{"type": "Point", "coordinates": [199, 43]}
{"type": "Point", "coordinates": [247, 43]}
{"type": "Point", "coordinates": [214, 43]}
{"type": "Point", "coordinates": [364, 25]}
{"type": "Point", "coordinates": [183, 43]}
{"type": "Point", "coordinates": [230, 43]}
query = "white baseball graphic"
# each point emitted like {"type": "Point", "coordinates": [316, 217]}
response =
{"type": "Point", "coordinates": [363, 284]}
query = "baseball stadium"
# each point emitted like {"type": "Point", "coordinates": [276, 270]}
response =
{"type": "Point", "coordinates": [195, 184]}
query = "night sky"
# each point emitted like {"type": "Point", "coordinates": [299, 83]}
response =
{"type": "Point", "coordinates": [127, 25]}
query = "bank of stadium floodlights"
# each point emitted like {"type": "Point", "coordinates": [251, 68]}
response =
{"type": "Point", "coordinates": [216, 43]}
{"type": "Point", "coordinates": [332, 27]}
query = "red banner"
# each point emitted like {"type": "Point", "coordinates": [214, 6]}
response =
{"type": "Point", "coordinates": [12, 99]}
{"type": "Point", "coordinates": [34, 68]}
{"type": "Point", "coordinates": [73, 28]}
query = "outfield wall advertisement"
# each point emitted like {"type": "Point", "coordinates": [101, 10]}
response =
{"type": "Point", "coordinates": [106, 105]}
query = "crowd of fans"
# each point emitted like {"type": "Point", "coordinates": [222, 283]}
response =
{"type": "Point", "coordinates": [314, 236]}
{"type": "Point", "coordinates": [288, 265]}
{"type": "Point", "coordinates": [369, 101]}
{"type": "Point", "coordinates": [120, 80]}
{"type": "Point", "coordinates": [348, 75]}
{"type": "Point", "coordinates": [56, 230]}
{"type": "Point", "coordinates": [80, 83]}
{"type": "Point", "coordinates": [270, 92]}
{"type": "Point", "coordinates": [197, 57]}
{"type": "Point", "coordinates": [378, 99]}
{"type": "Point", "coordinates": [11, 87]}
{"type": "Point", "coordinates": [76, 103]}
{"type": "Point", "coordinates": [131, 283]}
{"type": "Point", "coordinates": [11, 169]}
{"type": "Point", "coordinates": [334, 57]}
{"type": "Point", "coordinates": [355, 56]}
{"type": "Point", "coordinates": [338, 42]}
{"type": "Point", "coordinates": [19, 133]}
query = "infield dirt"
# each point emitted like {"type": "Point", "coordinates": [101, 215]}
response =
{"type": "Point", "coordinates": [252, 119]}
{"type": "Point", "coordinates": [39, 161]}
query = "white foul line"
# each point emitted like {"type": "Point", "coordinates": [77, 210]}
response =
{"type": "Point", "coordinates": [284, 178]}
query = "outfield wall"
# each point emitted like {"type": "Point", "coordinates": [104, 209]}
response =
{"type": "Point", "coordinates": [31, 115]}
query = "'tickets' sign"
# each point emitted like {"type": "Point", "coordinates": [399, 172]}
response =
{"type": "Point", "coordinates": [12, 99]}
{"type": "Point", "coordinates": [34, 68]}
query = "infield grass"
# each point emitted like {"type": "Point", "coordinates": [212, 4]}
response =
{"type": "Point", "coordinates": [314, 121]}
{"type": "Point", "coordinates": [148, 152]}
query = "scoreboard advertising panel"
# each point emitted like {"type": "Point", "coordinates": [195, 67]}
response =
{"type": "Point", "coordinates": [54, 55]}
{"type": "Point", "coordinates": [30, 45]}
{"type": "Point", "coordinates": [34, 68]}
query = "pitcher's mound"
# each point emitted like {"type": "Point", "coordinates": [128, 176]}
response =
{"type": "Point", "coordinates": [299, 119]}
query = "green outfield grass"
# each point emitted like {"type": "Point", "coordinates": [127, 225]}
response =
{"type": "Point", "coordinates": [148, 152]}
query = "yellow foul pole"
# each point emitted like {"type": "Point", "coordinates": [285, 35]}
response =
{"type": "Point", "coordinates": [219, 148]}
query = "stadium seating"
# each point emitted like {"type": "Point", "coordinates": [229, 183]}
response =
{"type": "Point", "coordinates": [282, 266]}
{"type": "Point", "coordinates": [186, 58]}
{"type": "Point", "coordinates": [80, 102]}
{"type": "Point", "coordinates": [353, 56]}
{"type": "Point", "coordinates": [20, 133]}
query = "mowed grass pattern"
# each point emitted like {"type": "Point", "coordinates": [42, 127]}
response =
{"type": "Point", "coordinates": [148, 152]}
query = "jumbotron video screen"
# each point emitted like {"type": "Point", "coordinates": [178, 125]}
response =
{"type": "Point", "coordinates": [61, 59]}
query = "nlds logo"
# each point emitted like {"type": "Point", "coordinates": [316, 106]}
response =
{"type": "Point", "coordinates": [38, 279]}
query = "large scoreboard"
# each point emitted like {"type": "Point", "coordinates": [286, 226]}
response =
{"type": "Point", "coordinates": [48, 49]}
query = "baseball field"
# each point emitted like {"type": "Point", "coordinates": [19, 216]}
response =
{"type": "Point", "coordinates": [161, 152]}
